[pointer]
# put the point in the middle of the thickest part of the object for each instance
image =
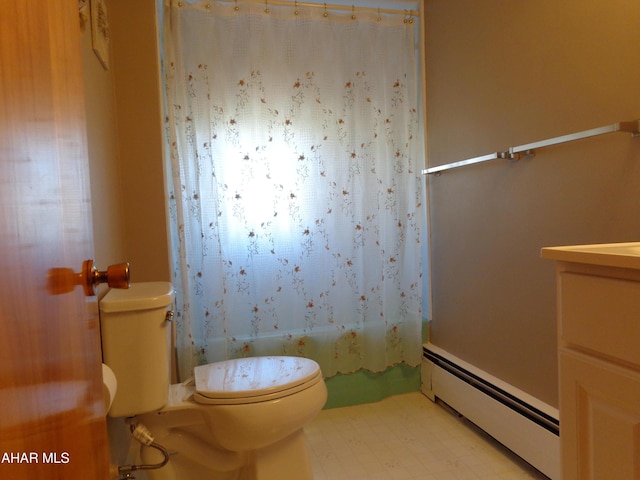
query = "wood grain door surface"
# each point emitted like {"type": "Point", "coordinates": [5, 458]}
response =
{"type": "Point", "coordinates": [51, 420]}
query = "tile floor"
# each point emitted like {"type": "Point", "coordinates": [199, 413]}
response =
{"type": "Point", "coordinates": [407, 437]}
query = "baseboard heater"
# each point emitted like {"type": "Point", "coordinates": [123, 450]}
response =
{"type": "Point", "coordinates": [520, 422]}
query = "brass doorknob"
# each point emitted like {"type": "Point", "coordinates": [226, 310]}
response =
{"type": "Point", "coordinates": [116, 276]}
{"type": "Point", "coordinates": [64, 280]}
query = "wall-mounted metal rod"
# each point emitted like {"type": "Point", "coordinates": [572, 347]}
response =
{"type": "Point", "coordinates": [462, 163]}
{"type": "Point", "coordinates": [632, 127]}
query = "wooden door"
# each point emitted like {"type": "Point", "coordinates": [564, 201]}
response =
{"type": "Point", "coordinates": [51, 421]}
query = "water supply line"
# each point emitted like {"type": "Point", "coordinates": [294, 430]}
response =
{"type": "Point", "coordinates": [142, 435]}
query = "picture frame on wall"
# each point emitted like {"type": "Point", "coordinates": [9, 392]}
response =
{"type": "Point", "coordinates": [83, 13]}
{"type": "Point", "coordinates": [100, 31]}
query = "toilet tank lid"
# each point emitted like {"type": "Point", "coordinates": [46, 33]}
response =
{"type": "Point", "coordinates": [139, 296]}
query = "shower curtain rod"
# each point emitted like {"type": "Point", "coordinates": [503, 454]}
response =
{"type": "Point", "coordinates": [632, 127]}
{"type": "Point", "coordinates": [329, 6]}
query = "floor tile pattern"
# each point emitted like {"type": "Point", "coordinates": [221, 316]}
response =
{"type": "Point", "coordinates": [407, 437]}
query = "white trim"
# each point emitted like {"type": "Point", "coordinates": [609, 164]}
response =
{"type": "Point", "coordinates": [526, 438]}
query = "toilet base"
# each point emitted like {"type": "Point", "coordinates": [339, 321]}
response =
{"type": "Point", "coordinates": [287, 459]}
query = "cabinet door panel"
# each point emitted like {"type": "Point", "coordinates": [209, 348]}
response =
{"type": "Point", "coordinates": [601, 314]}
{"type": "Point", "coordinates": [599, 419]}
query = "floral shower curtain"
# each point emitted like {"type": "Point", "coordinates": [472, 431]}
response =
{"type": "Point", "coordinates": [294, 184]}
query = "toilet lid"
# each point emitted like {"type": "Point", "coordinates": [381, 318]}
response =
{"type": "Point", "coordinates": [253, 379]}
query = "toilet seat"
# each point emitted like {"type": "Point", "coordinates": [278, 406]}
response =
{"type": "Point", "coordinates": [252, 380]}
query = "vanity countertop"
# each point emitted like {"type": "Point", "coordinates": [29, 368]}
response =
{"type": "Point", "coordinates": [623, 255]}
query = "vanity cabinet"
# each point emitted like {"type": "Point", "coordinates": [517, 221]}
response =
{"type": "Point", "coordinates": [599, 360]}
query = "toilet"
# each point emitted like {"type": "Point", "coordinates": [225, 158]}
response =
{"type": "Point", "coordinates": [239, 419]}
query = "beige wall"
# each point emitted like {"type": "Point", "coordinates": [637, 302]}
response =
{"type": "Point", "coordinates": [106, 188]}
{"type": "Point", "coordinates": [505, 73]}
{"type": "Point", "coordinates": [124, 128]}
{"type": "Point", "coordinates": [125, 144]}
{"type": "Point", "coordinates": [136, 70]}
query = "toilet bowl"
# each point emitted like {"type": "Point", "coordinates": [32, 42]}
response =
{"type": "Point", "coordinates": [239, 419]}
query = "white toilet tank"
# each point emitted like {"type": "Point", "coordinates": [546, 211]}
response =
{"type": "Point", "coordinates": [136, 344]}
